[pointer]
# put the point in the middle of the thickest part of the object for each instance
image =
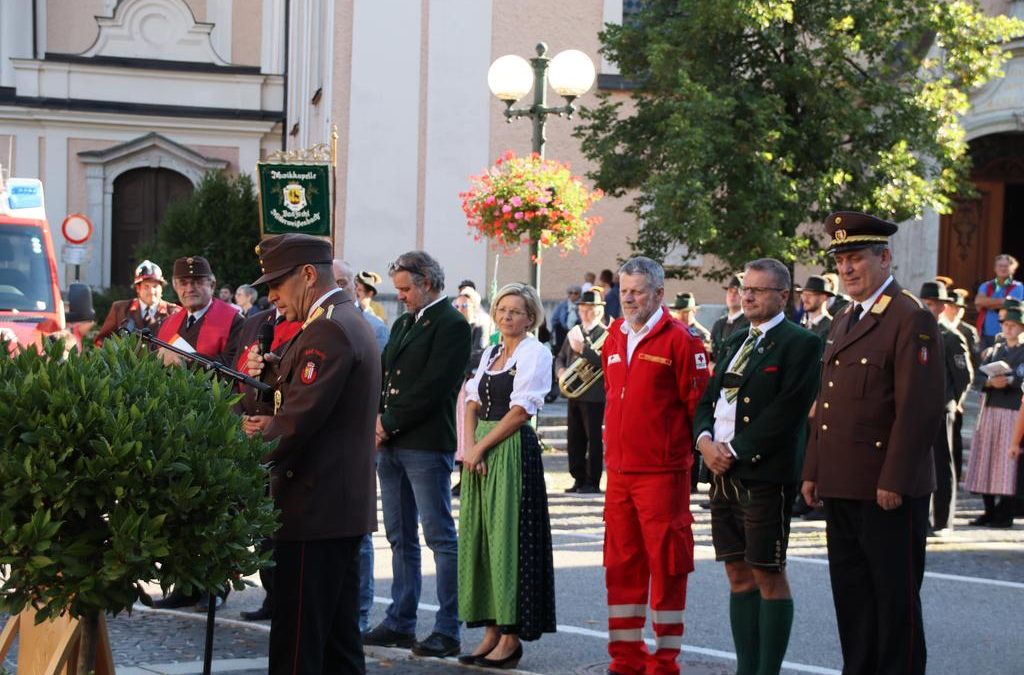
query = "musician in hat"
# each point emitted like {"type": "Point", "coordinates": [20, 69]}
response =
{"type": "Point", "coordinates": [147, 309]}
{"type": "Point", "coordinates": [684, 309]}
{"type": "Point", "coordinates": [814, 296]}
{"type": "Point", "coordinates": [733, 321]}
{"type": "Point", "coordinates": [869, 456]}
{"type": "Point", "coordinates": [958, 375]}
{"type": "Point", "coordinates": [322, 477]}
{"type": "Point", "coordinates": [206, 325]}
{"type": "Point", "coordinates": [586, 410]}
{"type": "Point", "coordinates": [366, 290]}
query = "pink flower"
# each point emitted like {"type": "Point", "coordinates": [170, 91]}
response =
{"type": "Point", "coordinates": [516, 201]}
{"type": "Point", "coordinates": [519, 215]}
{"type": "Point", "coordinates": [506, 208]}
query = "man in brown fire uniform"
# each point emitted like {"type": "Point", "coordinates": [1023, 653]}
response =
{"type": "Point", "coordinates": [869, 457]}
{"type": "Point", "coordinates": [147, 309]}
{"type": "Point", "coordinates": [322, 477]}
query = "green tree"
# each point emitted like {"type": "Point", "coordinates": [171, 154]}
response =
{"type": "Point", "coordinates": [116, 469]}
{"type": "Point", "coordinates": [219, 221]}
{"type": "Point", "coordinates": [750, 117]}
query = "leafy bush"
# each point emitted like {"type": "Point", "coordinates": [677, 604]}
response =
{"type": "Point", "coordinates": [115, 469]}
{"type": "Point", "coordinates": [219, 221]}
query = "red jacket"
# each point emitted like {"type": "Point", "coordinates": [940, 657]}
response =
{"type": "Point", "coordinates": [651, 401]}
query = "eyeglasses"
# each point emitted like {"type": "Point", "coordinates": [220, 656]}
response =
{"type": "Point", "coordinates": [396, 267]}
{"type": "Point", "coordinates": [461, 305]}
{"type": "Point", "coordinates": [759, 290]}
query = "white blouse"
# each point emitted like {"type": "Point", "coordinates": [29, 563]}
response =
{"type": "Point", "coordinates": [532, 380]}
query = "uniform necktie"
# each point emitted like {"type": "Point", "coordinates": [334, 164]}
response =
{"type": "Point", "coordinates": [858, 309]}
{"type": "Point", "coordinates": [190, 321]}
{"type": "Point", "coordinates": [740, 363]}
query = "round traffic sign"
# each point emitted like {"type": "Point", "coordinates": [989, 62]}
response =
{"type": "Point", "coordinates": [76, 228]}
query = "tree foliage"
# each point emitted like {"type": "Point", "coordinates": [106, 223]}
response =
{"type": "Point", "coordinates": [219, 221]}
{"type": "Point", "coordinates": [116, 469]}
{"type": "Point", "coordinates": [750, 117]}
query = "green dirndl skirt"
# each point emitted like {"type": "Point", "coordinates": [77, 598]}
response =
{"type": "Point", "coordinates": [506, 567]}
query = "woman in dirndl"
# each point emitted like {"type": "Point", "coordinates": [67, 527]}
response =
{"type": "Point", "coordinates": [991, 470]}
{"type": "Point", "coordinates": [506, 571]}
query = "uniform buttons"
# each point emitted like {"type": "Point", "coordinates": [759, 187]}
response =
{"type": "Point", "coordinates": [398, 371]}
{"type": "Point", "coordinates": [746, 399]}
{"type": "Point", "coordinates": [837, 362]}
{"type": "Point", "coordinates": [289, 473]}
{"type": "Point", "coordinates": [878, 444]}
{"type": "Point", "coordinates": [863, 361]}
{"type": "Point", "coordinates": [746, 419]}
{"type": "Point", "coordinates": [825, 405]}
{"type": "Point", "coordinates": [830, 384]}
{"type": "Point", "coordinates": [824, 427]}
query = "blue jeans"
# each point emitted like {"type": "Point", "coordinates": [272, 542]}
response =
{"type": "Point", "coordinates": [416, 485]}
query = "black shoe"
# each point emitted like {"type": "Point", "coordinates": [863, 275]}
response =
{"type": "Point", "coordinates": [382, 636]}
{"type": "Point", "coordinates": [467, 659]}
{"type": "Point", "coordinates": [507, 663]}
{"type": "Point", "coordinates": [589, 490]}
{"type": "Point", "coordinates": [264, 613]}
{"type": "Point", "coordinates": [982, 520]}
{"type": "Point", "coordinates": [438, 645]}
{"type": "Point", "coordinates": [177, 600]}
{"type": "Point", "coordinates": [457, 489]}
{"type": "Point", "coordinates": [1002, 523]}
{"type": "Point", "coordinates": [572, 490]}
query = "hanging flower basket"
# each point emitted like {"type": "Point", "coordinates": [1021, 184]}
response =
{"type": "Point", "coordinates": [525, 200]}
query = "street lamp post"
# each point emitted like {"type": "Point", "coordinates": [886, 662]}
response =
{"type": "Point", "coordinates": [571, 74]}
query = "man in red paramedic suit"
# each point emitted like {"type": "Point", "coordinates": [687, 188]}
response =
{"type": "Point", "coordinates": [655, 370]}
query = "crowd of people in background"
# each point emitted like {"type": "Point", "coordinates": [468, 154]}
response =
{"type": "Point", "coordinates": [654, 397]}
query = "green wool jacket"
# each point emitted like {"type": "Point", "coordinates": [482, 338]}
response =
{"type": "Point", "coordinates": [776, 391]}
{"type": "Point", "coordinates": [424, 364]}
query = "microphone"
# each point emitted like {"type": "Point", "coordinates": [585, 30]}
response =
{"type": "Point", "coordinates": [264, 341]}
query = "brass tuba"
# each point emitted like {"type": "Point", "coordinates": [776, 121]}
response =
{"type": "Point", "coordinates": [581, 374]}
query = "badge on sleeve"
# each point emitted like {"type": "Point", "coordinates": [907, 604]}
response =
{"type": "Point", "coordinates": [922, 356]}
{"type": "Point", "coordinates": [701, 360]}
{"type": "Point", "coordinates": [312, 361]}
{"type": "Point", "coordinates": [614, 358]}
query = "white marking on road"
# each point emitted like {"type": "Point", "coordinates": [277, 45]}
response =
{"type": "Point", "coordinates": [190, 667]}
{"type": "Point", "coordinates": [703, 651]}
{"type": "Point", "coordinates": [195, 616]}
{"type": "Point", "coordinates": [933, 575]}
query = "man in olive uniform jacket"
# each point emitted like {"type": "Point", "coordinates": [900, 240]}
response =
{"type": "Point", "coordinates": [954, 313]}
{"type": "Point", "coordinates": [869, 456]}
{"type": "Point", "coordinates": [733, 322]}
{"type": "Point", "coordinates": [959, 373]}
{"type": "Point", "coordinates": [424, 366]}
{"type": "Point", "coordinates": [751, 427]}
{"type": "Point", "coordinates": [328, 379]}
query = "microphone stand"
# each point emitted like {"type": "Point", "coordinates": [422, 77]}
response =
{"type": "Point", "coordinates": [209, 364]}
{"type": "Point", "coordinates": [129, 328]}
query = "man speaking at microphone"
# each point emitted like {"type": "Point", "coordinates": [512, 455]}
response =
{"type": "Point", "coordinates": [322, 477]}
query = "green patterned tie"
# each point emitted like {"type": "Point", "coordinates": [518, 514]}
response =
{"type": "Point", "coordinates": [740, 364]}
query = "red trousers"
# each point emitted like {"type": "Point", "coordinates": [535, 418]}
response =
{"type": "Point", "coordinates": [648, 551]}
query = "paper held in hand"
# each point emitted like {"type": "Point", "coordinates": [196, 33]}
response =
{"type": "Point", "coordinates": [996, 368]}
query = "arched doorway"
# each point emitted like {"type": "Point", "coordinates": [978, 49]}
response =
{"type": "Point", "coordinates": [991, 223]}
{"type": "Point", "coordinates": [141, 196]}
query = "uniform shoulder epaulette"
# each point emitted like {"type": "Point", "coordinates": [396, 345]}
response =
{"type": "Point", "coordinates": [913, 297]}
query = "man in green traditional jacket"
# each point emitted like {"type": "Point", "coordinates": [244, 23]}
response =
{"type": "Point", "coordinates": [751, 428]}
{"type": "Point", "coordinates": [424, 365]}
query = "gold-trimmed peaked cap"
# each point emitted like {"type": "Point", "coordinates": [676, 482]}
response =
{"type": "Point", "coordinates": [282, 253]}
{"type": "Point", "coordinates": [852, 230]}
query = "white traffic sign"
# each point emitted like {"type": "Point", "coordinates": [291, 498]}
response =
{"type": "Point", "coordinates": [74, 254]}
{"type": "Point", "coordinates": [76, 228]}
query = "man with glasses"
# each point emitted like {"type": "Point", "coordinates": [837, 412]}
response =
{"type": "Point", "coordinates": [206, 326]}
{"type": "Point", "coordinates": [564, 317]}
{"type": "Point", "coordinates": [655, 371]}
{"type": "Point", "coordinates": [869, 456]}
{"type": "Point", "coordinates": [424, 366]}
{"type": "Point", "coordinates": [751, 428]}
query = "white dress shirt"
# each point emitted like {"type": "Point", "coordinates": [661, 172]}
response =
{"type": "Point", "coordinates": [725, 411]}
{"type": "Point", "coordinates": [319, 301]}
{"type": "Point", "coordinates": [419, 314]}
{"type": "Point", "coordinates": [870, 302]}
{"type": "Point", "coordinates": [633, 337]}
{"type": "Point", "coordinates": [201, 313]}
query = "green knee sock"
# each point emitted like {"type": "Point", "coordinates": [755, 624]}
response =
{"type": "Point", "coordinates": [775, 623]}
{"type": "Point", "coordinates": [744, 615]}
